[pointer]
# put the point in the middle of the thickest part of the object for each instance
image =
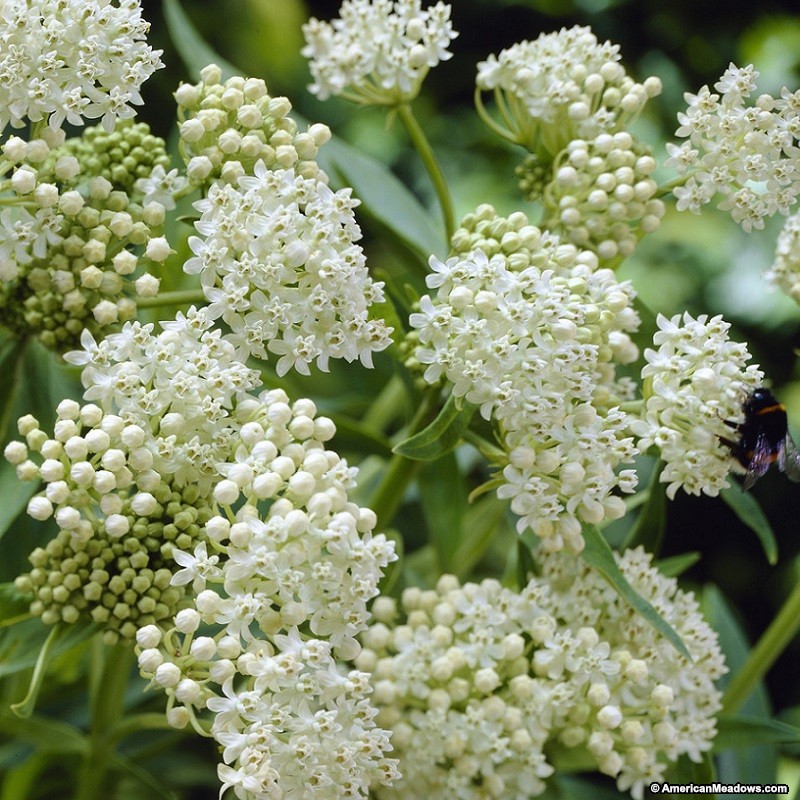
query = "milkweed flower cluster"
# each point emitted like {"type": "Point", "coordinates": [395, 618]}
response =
{"type": "Point", "coordinates": [71, 61]}
{"type": "Point", "coordinates": [279, 263]}
{"type": "Point", "coordinates": [602, 196]}
{"type": "Point", "coordinates": [127, 477]}
{"type": "Point", "coordinates": [286, 715]}
{"type": "Point", "coordinates": [71, 229]}
{"type": "Point", "coordinates": [377, 52]}
{"type": "Point", "coordinates": [693, 382]}
{"type": "Point", "coordinates": [225, 128]}
{"type": "Point", "coordinates": [477, 681]}
{"type": "Point", "coordinates": [747, 154]}
{"type": "Point", "coordinates": [784, 273]}
{"type": "Point", "coordinates": [563, 86]}
{"type": "Point", "coordinates": [532, 336]}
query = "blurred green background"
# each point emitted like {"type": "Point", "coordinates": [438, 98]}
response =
{"type": "Point", "coordinates": [703, 264]}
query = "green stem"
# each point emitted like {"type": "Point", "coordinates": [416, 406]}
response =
{"type": "Point", "coordinates": [771, 644]}
{"type": "Point", "coordinates": [183, 298]}
{"type": "Point", "coordinates": [666, 188]}
{"type": "Point", "coordinates": [400, 472]}
{"type": "Point", "coordinates": [107, 708]}
{"type": "Point", "coordinates": [423, 147]}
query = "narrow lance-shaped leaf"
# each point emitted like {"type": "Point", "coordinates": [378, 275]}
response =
{"type": "Point", "coordinates": [648, 530]}
{"type": "Point", "coordinates": [746, 507]}
{"type": "Point", "coordinates": [741, 731]}
{"type": "Point", "coordinates": [442, 435]}
{"type": "Point", "coordinates": [444, 503]}
{"type": "Point", "coordinates": [194, 51]}
{"type": "Point", "coordinates": [599, 555]}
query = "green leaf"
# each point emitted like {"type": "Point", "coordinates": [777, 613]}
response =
{"type": "Point", "coordinates": [759, 762]}
{"type": "Point", "coordinates": [746, 507]}
{"type": "Point", "coordinates": [124, 764]}
{"type": "Point", "coordinates": [352, 435]}
{"type": "Point", "coordinates": [481, 525]}
{"type": "Point", "coordinates": [685, 771]}
{"type": "Point", "coordinates": [575, 788]}
{"type": "Point", "coordinates": [11, 357]}
{"type": "Point", "coordinates": [674, 566]}
{"type": "Point", "coordinates": [385, 198]}
{"type": "Point", "coordinates": [194, 51]}
{"type": "Point", "coordinates": [443, 494]}
{"type": "Point", "coordinates": [442, 435]}
{"type": "Point", "coordinates": [14, 493]}
{"type": "Point", "coordinates": [648, 530]}
{"type": "Point", "coordinates": [740, 731]}
{"type": "Point", "coordinates": [20, 644]}
{"type": "Point", "coordinates": [46, 734]}
{"type": "Point", "coordinates": [599, 555]}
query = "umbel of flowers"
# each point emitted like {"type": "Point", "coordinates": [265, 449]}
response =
{"type": "Point", "coordinates": [127, 475]}
{"type": "Point", "coordinates": [483, 687]}
{"type": "Point", "coordinates": [377, 52]}
{"type": "Point", "coordinates": [561, 87]}
{"type": "Point", "coordinates": [280, 586]}
{"type": "Point", "coordinates": [277, 253]}
{"type": "Point", "coordinates": [530, 330]}
{"type": "Point", "coordinates": [76, 229]}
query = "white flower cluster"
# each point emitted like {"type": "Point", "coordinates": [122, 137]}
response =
{"type": "Point", "coordinates": [477, 680]}
{"type": "Point", "coordinates": [68, 233]}
{"type": "Point", "coordinates": [129, 478]}
{"type": "Point", "coordinates": [784, 274]}
{"type": "Point", "coordinates": [533, 341]}
{"type": "Point", "coordinates": [181, 387]}
{"type": "Point", "coordinates": [377, 52]}
{"type": "Point", "coordinates": [563, 86]}
{"type": "Point", "coordinates": [746, 154]}
{"type": "Point", "coordinates": [70, 61]}
{"type": "Point", "coordinates": [287, 717]}
{"type": "Point", "coordinates": [695, 381]}
{"type": "Point", "coordinates": [279, 263]}
{"type": "Point", "coordinates": [602, 196]}
{"type": "Point", "coordinates": [226, 128]}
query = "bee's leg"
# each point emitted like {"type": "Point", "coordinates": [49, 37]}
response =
{"type": "Point", "coordinates": [731, 424]}
{"type": "Point", "coordinates": [737, 451]}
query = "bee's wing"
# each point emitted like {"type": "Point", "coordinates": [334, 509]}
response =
{"type": "Point", "coordinates": [789, 459]}
{"type": "Point", "coordinates": [759, 463]}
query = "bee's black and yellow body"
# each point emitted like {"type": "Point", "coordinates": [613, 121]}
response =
{"type": "Point", "coordinates": [763, 438]}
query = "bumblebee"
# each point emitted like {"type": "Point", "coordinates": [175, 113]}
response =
{"type": "Point", "coordinates": [763, 439]}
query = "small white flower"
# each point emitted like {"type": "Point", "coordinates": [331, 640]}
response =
{"type": "Point", "coordinates": [377, 51]}
{"type": "Point", "coordinates": [49, 77]}
{"type": "Point", "coordinates": [695, 381]}
{"type": "Point", "coordinates": [746, 155]}
{"type": "Point", "coordinates": [564, 86]}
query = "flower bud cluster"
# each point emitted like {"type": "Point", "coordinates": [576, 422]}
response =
{"type": "Point", "coordinates": [693, 383]}
{"type": "Point", "coordinates": [563, 86]}
{"type": "Point", "coordinates": [118, 519]}
{"type": "Point", "coordinates": [784, 274]}
{"type": "Point", "coordinates": [602, 196]}
{"type": "Point", "coordinates": [226, 128]}
{"type": "Point", "coordinates": [279, 263]}
{"type": "Point", "coordinates": [122, 156]}
{"type": "Point", "coordinates": [478, 682]}
{"type": "Point", "coordinates": [283, 711]}
{"type": "Point", "coordinates": [532, 335]}
{"type": "Point", "coordinates": [377, 52]}
{"type": "Point", "coordinates": [70, 61]}
{"type": "Point", "coordinates": [747, 154]}
{"type": "Point", "coordinates": [67, 242]}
